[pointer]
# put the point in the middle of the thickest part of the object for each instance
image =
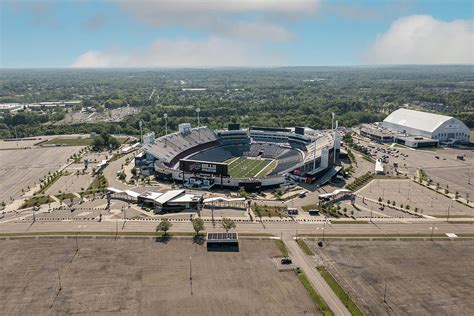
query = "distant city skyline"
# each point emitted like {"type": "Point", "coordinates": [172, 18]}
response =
{"type": "Point", "coordinates": [215, 33]}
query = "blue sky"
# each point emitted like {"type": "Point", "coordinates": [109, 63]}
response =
{"type": "Point", "coordinates": [194, 33]}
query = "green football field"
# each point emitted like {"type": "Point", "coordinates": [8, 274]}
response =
{"type": "Point", "coordinates": [248, 168]}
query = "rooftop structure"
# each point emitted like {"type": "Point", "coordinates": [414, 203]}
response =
{"type": "Point", "coordinates": [416, 123]}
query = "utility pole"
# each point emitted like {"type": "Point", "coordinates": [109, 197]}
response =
{"type": "Point", "coordinates": [59, 280]}
{"type": "Point", "coordinates": [212, 215]}
{"type": "Point", "coordinates": [324, 226]}
{"type": "Point", "coordinates": [191, 274]}
{"type": "Point", "coordinates": [385, 292]}
{"type": "Point", "coordinates": [116, 229]}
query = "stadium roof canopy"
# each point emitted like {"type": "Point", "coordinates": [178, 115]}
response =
{"type": "Point", "coordinates": [417, 120]}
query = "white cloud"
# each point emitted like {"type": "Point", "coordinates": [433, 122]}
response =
{"type": "Point", "coordinates": [246, 19]}
{"type": "Point", "coordinates": [214, 52]}
{"type": "Point", "coordinates": [421, 39]}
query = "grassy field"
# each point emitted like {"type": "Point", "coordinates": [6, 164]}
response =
{"type": "Point", "coordinates": [66, 196]}
{"type": "Point", "coordinates": [76, 141]}
{"type": "Point", "coordinates": [248, 168]}
{"type": "Point", "coordinates": [37, 200]}
{"type": "Point", "coordinates": [269, 211]}
{"type": "Point", "coordinates": [69, 141]}
{"type": "Point", "coordinates": [99, 183]}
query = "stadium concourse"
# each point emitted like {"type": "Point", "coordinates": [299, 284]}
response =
{"type": "Point", "coordinates": [253, 158]}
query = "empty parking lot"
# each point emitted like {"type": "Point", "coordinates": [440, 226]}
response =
{"type": "Point", "coordinates": [25, 167]}
{"type": "Point", "coordinates": [143, 276]}
{"type": "Point", "coordinates": [422, 277]}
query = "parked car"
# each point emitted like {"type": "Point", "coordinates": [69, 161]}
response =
{"type": "Point", "coordinates": [286, 260]}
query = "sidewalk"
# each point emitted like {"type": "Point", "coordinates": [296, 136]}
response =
{"type": "Point", "coordinates": [309, 267]}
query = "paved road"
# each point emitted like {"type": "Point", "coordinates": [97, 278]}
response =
{"type": "Point", "coordinates": [304, 262]}
{"type": "Point", "coordinates": [273, 228]}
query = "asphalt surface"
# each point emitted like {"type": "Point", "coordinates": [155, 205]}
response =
{"type": "Point", "coordinates": [274, 228]}
{"type": "Point", "coordinates": [304, 262]}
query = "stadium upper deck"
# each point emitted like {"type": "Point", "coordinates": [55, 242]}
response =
{"type": "Point", "coordinates": [293, 151]}
{"type": "Point", "coordinates": [170, 148]}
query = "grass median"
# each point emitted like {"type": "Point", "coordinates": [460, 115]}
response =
{"type": "Point", "coordinates": [317, 299]}
{"type": "Point", "coordinates": [304, 247]}
{"type": "Point", "coordinates": [282, 247]}
{"type": "Point", "coordinates": [339, 291]}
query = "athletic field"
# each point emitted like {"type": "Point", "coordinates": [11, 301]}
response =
{"type": "Point", "coordinates": [248, 168]}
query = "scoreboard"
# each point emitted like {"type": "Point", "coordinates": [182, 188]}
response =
{"type": "Point", "coordinates": [207, 167]}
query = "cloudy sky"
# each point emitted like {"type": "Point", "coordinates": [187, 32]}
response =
{"type": "Point", "coordinates": [213, 33]}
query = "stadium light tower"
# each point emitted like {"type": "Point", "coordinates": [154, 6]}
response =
{"type": "Point", "coordinates": [334, 135]}
{"type": "Point", "coordinates": [165, 116]}
{"type": "Point", "coordinates": [332, 120]}
{"type": "Point", "coordinates": [197, 111]}
{"type": "Point", "coordinates": [199, 131]}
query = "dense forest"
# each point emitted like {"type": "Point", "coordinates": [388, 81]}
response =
{"type": "Point", "coordinates": [295, 96]}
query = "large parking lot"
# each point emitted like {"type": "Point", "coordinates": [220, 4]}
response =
{"type": "Point", "coordinates": [25, 167]}
{"type": "Point", "coordinates": [440, 164]}
{"type": "Point", "coordinates": [421, 277]}
{"type": "Point", "coordinates": [416, 196]}
{"type": "Point", "coordinates": [143, 276]}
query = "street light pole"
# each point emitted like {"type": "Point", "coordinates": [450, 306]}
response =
{"type": "Point", "coordinates": [191, 274]}
{"type": "Point", "coordinates": [324, 226]}
{"type": "Point", "coordinates": [432, 230]}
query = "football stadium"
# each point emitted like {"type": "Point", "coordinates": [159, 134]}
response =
{"type": "Point", "coordinates": [252, 158]}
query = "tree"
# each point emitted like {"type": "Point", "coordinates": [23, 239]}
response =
{"type": "Point", "coordinates": [164, 226]}
{"type": "Point", "coordinates": [227, 224]}
{"type": "Point", "coordinates": [113, 143]}
{"type": "Point", "coordinates": [242, 192]}
{"type": "Point", "coordinates": [198, 225]}
{"type": "Point", "coordinates": [98, 143]}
